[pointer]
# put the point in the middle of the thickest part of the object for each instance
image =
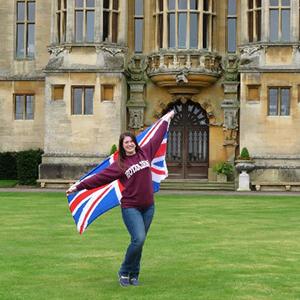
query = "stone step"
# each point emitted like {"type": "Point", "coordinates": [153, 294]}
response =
{"type": "Point", "coordinates": [184, 184]}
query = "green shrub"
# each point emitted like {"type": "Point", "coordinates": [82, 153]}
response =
{"type": "Point", "coordinates": [113, 149]}
{"type": "Point", "coordinates": [224, 167]}
{"type": "Point", "coordinates": [244, 154]}
{"type": "Point", "coordinates": [8, 165]}
{"type": "Point", "coordinates": [27, 166]}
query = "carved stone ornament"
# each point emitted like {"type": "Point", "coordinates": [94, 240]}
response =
{"type": "Point", "coordinates": [111, 50]}
{"type": "Point", "coordinates": [136, 68]}
{"type": "Point", "coordinates": [136, 118]}
{"type": "Point", "coordinates": [230, 119]}
{"type": "Point", "coordinates": [181, 77]}
{"type": "Point", "coordinates": [250, 50]}
{"type": "Point", "coordinates": [230, 66]}
{"type": "Point", "coordinates": [55, 50]}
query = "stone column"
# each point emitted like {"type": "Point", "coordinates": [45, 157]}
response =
{"type": "Point", "coordinates": [136, 81]}
{"type": "Point", "coordinates": [230, 105]}
{"type": "Point", "coordinates": [70, 22]}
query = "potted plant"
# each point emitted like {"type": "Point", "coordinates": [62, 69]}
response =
{"type": "Point", "coordinates": [244, 161]}
{"type": "Point", "coordinates": [224, 170]}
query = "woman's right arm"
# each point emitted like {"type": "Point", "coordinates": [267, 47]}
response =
{"type": "Point", "coordinates": [106, 176]}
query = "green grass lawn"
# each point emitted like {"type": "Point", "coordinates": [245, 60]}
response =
{"type": "Point", "coordinates": [199, 247]}
{"type": "Point", "coordinates": [8, 183]}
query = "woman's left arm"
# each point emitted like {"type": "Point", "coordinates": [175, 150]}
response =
{"type": "Point", "coordinates": [153, 145]}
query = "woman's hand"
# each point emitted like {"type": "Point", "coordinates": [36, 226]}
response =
{"type": "Point", "coordinates": [169, 115]}
{"type": "Point", "coordinates": [72, 189]}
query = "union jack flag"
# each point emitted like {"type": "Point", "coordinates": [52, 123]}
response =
{"type": "Point", "coordinates": [87, 205]}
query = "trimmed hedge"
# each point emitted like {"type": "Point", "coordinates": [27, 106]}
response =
{"type": "Point", "coordinates": [8, 165]}
{"type": "Point", "coordinates": [27, 166]}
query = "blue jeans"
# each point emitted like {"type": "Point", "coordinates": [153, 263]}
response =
{"type": "Point", "coordinates": [137, 222]}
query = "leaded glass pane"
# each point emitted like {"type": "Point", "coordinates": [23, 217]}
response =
{"type": "Point", "coordinates": [139, 7]}
{"type": "Point", "coordinates": [273, 102]}
{"type": "Point", "coordinates": [29, 107]}
{"type": "Point", "coordinates": [258, 25]}
{"type": "Point", "coordinates": [79, 3]}
{"type": "Point", "coordinates": [116, 4]}
{"type": "Point", "coordinates": [182, 18]}
{"type": "Point", "coordinates": [194, 30]}
{"type": "Point", "coordinates": [90, 21]}
{"type": "Point", "coordinates": [114, 36]}
{"type": "Point", "coordinates": [30, 39]}
{"type": "Point", "coordinates": [205, 30]}
{"type": "Point", "coordinates": [138, 35]}
{"type": "Point", "coordinates": [106, 4]}
{"type": "Point", "coordinates": [19, 107]}
{"type": "Point", "coordinates": [231, 46]}
{"type": "Point", "coordinates": [20, 11]}
{"type": "Point", "coordinates": [193, 4]}
{"type": "Point", "coordinates": [250, 4]}
{"type": "Point", "coordinates": [171, 30]}
{"type": "Point", "coordinates": [20, 40]}
{"type": "Point", "coordinates": [90, 3]}
{"type": "Point", "coordinates": [231, 7]}
{"type": "Point", "coordinates": [77, 101]}
{"type": "Point", "coordinates": [105, 25]}
{"type": "Point", "coordinates": [79, 26]}
{"type": "Point", "coordinates": [285, 2]}
{"type": "Point", "coordinates": [274, 26]}
{"type": "Point", "coordinates": [31, 11]}
{"type": "Point", "coordinates": [171, 4]}
{"type": "Point", "coordinates": [182, 4]}
{"type": "Point", "coordinates": [206, 5]}
{"type": "Point", "coordinates": [274, 3]}
{"type": "Point", "coordinates": [88, 101]}
{"type": "Point", "coordinates": [285, 102]}
{"type": "Point", "coordinates": [285, 24]}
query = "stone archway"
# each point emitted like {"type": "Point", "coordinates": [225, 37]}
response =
{"type": "Point", "coordinates": [188, 151]}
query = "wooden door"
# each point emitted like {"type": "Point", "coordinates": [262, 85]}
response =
{"type": "Point", "coordinates": [187, 152]}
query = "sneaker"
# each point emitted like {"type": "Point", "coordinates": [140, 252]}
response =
{"type": "Point", "coordinates": [134, 281]}
{"type": "Point", "coordinates": [124, 280]}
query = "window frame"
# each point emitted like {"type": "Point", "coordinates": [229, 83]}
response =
{"type": "Point", "coordinates": [107, 85]}
{"type": "Point", "coordinates": [61, 16]}
{"type": "Point", "coordinates": [280, 8]}
{"type": "Point", "coordinates": [162, 16]}
{"type": "Point", "coordinates": [83, 87]}
{"type": "Point", "coordinates": [85, 9]}
{"type": "Point", "coordinates": [113, 15]}
{"type": "Point", "coordinates": [139, 18]}
{"type": "Point", "coordinates": [279, 100]}
{"type": "Point", "coordinates": [24, 109]}
{"type": "Point", "coordinates": [234, 18]}
{"type": "Point", "coordinates": [25, 22]}
{"type": "Point", "coordinates": [254, 27]}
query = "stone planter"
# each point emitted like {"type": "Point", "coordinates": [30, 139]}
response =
{"type": "Point", "coordinates": [244, 167]}
{"type": "Point", "coordinates": [221, 178]}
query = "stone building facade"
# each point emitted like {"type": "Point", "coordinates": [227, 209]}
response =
{"type": "Point", "coordinates": [74, 74]}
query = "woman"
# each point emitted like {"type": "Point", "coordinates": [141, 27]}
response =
{"type": "Point", "coordinates": [133, 169]}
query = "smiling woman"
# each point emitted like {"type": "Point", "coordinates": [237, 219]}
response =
{"type": "Point", "coordinates": [133, 170]}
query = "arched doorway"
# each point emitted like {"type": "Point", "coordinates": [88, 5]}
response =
{"type": "Point", "coordinates": [187, 152]}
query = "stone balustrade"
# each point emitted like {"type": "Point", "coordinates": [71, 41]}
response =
{"type": "Point", "coordinates": [188, 69]}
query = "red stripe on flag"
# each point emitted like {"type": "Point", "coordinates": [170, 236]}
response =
{"type": "Point", "coordinates": [149, 133]}
{"type": "Point", "coordinates": [121, 186]}
{"type": "Point", "coordinates": [81, 197]}
{"type": "Point", "coordinates": [92, 206]}
{"type": "Point", "coordinates": [158, 172]}
{"type": "Point", "coordinates": [161, 150]}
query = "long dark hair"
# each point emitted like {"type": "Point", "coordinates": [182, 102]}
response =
{"type": "Point", "coordinates": [122, 152]}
